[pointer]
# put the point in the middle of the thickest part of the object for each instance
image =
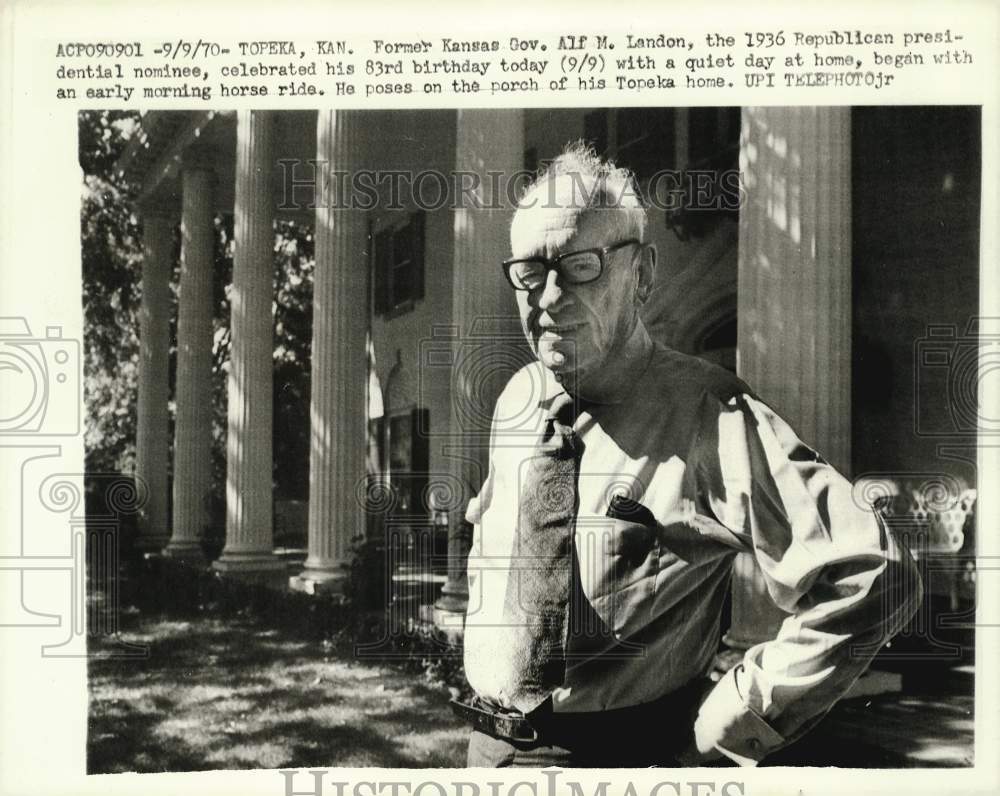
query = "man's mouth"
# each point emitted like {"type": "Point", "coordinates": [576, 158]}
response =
{"type": "Point", "coordinates": [561, 329]}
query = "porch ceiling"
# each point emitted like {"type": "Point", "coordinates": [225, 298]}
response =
{"type": "Point", "coordinates": [168, 139]}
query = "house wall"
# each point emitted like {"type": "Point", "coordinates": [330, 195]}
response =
{"type": "Point", "coordinates": [416, 141]}
{"type": "Point", "coordinates": [916, 192]}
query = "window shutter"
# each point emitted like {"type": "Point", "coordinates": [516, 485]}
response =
{"type": "Point", "coordinates": [702, 145]}
{"type": "Point", "coordinates": [645, 140]}
{"type": "Point", "coordinates": [531, 159]}
{"type": "Point", "coordinates": [595, 130]}
{"type": "Point", "coordinates": [383, 271]}
{"type": "Point", "coordinates": [417, 221]}
{"type": "Point", "coordinates": [420, 456]}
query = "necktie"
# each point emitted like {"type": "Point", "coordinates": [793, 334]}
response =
{"type": "Point", "coordinates": [536, 605]}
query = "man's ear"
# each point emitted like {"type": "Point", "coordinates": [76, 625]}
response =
{"type": "Point", "coordinates": [646, 272]}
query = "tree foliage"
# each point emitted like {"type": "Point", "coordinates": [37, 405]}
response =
{"type": "Point", "coordinates": [111, 241]}
{"type": "Point", "coordinates": [111, 259]}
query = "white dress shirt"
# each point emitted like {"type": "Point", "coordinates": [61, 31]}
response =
{"type": "Point", "coordinates": [710, 470]}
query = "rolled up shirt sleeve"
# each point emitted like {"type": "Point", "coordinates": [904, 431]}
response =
{"type": "Point", "coordinates": [829, 562]}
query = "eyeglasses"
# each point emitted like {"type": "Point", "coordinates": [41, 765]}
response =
{"type": "Point", "coordinates": [575, 268]}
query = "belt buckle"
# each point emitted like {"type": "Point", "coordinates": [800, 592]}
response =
{"type": "Point", "coordinates": [493, 721]}
{"type": "Point", "coordinates": [510, 725]}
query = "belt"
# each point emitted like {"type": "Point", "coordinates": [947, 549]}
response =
{"type": "Point", "coordinates": [493, 721]}
{"type": "Point", "coordinates": [572, 728]}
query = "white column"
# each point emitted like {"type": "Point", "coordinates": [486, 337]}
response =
{"type": "Point", "coordinates": [794, 299]}
{"type": "Point", "coordinates": [193, 426]}
{"type": "Point", "coordinates": [339, 363]}
{"type": "Point", "coordinates": [486, 141]}
{"type": "Point", "coordinates": [154, 390]}
{"type": "Point", "coordinates": [249, 549]}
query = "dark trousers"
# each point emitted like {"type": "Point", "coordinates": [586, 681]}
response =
{"type": "Point", "coordinates": [645, 735]}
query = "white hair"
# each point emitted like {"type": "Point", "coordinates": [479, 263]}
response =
{"type": "Point", "coordinates": [596, 184]}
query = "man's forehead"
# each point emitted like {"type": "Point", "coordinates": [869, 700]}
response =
{"type": "Point", "coordinates": [554, 213]}
{"type": "Point", "coordinates": [537, 229]}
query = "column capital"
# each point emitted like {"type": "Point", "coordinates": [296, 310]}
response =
{"type": "Point", "coordinates": [197, 158]}
{"type": "Point", "coordinates": [158, 213]}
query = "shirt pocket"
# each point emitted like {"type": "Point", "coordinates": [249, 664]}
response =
{"type": "Point", "coordinates": [696, 539]}
{"type": "Point", "coordinates": [618, 560]}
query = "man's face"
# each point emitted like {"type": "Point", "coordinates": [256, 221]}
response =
{"type": "Point", "coordinates": [574, 329]}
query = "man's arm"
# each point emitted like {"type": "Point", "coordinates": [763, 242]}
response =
{"type": "Point", "coordinates": [829, 562]}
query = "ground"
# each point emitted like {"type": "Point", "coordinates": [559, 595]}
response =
{"type": "Point", "coordinates": [218, 694]}
{"type": "Point", "coordinates": [227, 685]}
{"type": "Point", "coordinates": [929, 724]}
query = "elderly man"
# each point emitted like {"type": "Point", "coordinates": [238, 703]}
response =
{"type": "Point", "coordinates": [624, 478]}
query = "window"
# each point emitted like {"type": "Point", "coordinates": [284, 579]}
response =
{"type": "Point", "coordinates": [644, 139]}
{"type": "Point", "coordinates": [718, 343]}
{"type": "Point", "coordinates": [595, 131]}
{"type": "Point", "coordinates": [408, 453]}
{"type": "Point", "coordinates": [640, 139]}
{"type": "Point", "coordinates": [531, 159]}
{"type": "Point", "coordinates": [399, 265]}
{"type": "Point", "coordinates": [713, 138]}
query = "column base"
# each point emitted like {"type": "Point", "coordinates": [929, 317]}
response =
{"type": "Point", "coordinates": [450, 625]}
{"type": "Point", "coordinates": [319, 581]}
{"type": "Point", "coordinates": [263, 567]}
{"type": "Point", "coordinates": [151, 543]}
{"type": "Point", "coordinates": [186, 551]}
{"type": "Point", "coordinates": [452, 600]}
{"type": "Point", "coordinates": [448, 613]}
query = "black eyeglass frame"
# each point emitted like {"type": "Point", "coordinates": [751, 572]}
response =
{"type": "Point", "coordinates": [552, 264]}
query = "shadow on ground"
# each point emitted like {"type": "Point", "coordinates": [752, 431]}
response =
{"type": "Point", "coordinates": [930, 723]}
{"type": "Point", "coordinates": [232, 692]}
{"type": "Point", "coordinates": [233, 680]}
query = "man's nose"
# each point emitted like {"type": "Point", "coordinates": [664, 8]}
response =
{"type": "Point", "coordinates": [554, 293]}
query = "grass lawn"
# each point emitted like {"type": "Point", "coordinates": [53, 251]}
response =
{"type": "Point", "coordinates": [234, 693]}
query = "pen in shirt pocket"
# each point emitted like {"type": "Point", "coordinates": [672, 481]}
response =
{"type": "Point", "coordinates": [625, 508]}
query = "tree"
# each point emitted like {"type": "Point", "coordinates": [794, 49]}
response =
{"type": "Point", "coordinates": [111, 254]}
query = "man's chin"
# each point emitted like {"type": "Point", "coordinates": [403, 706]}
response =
{"type": "Point", "coordinates": [565, 371]}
